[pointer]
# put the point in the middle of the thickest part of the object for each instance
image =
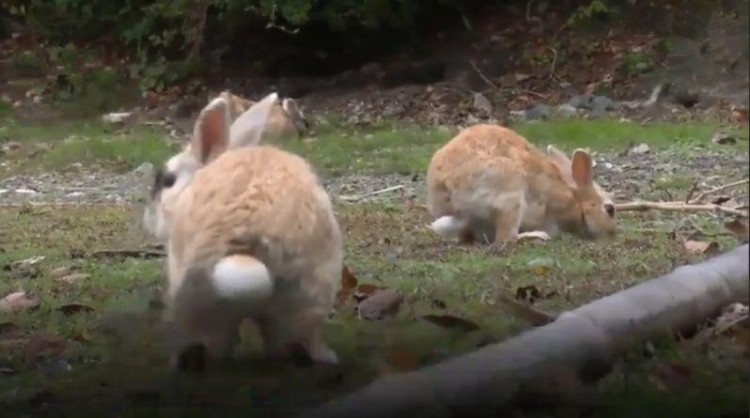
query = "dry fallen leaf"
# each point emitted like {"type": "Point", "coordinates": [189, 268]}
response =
{"type": "Point", "coordinates": [60, 271]}
{"type": "Point", "coordinates": [741, 334]}
{"type": "Point", "coordinates": [72, 278]}
{"type": "Point", "coordinates": [528, 293]}
{"type": "Point", "coordinates": [348, 283]}
{"type": "Point", "coordinates": [74, 308]}
{"type": "Point", "coordinates": [451, 322]}
{"type": "Point", "coordinates": [365, 290]}
{"type": "Point", "coordinates": [674, 374]}
{"type": "Point", "coordinates": [193, 359]}
{"type": "Point", "coordinates": [739, 229]}
{"type": "Point", "coordinates": [43, 346]}
{"type": "Point", "coordinates": [525, 312]}
{"type": "Point", "coordinates": [701, 247]}
{"type": "Point", "coordinates": [399, 361]}
{"type": "Point", "coordinates": [382, 304]}
{"type": "Point", "coordinates": [722, 138]}
{"type": "Point", "coordinates": [19, 301]}
{"type": "Point", "coordinates": [8, 328]}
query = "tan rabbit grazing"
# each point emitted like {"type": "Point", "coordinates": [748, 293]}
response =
{"type": "Point", "coordinates": [250, 233]}
{"type": "Point", "coordinates": [490, 183]}
{"type": "Point", "coordinates": [285, 121]}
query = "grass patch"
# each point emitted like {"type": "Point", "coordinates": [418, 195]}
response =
{"type": "Point", "coordinates": [382, 150]}
{"type": "Point", "coordinates": [116, 358]}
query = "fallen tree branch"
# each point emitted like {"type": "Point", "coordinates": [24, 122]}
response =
{"type": "Point", "coordinates": [678, 207]}
{"type": "Point", "coordinates": [143, 253]}
{"type": "Point", "coordinates": [718, 189]}
{"type": "Point", "coordinates": [354, 198]}
{"type": "Point", "coordinates": [587, 340]}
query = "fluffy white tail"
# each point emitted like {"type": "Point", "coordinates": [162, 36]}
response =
{"type": "Point", "coordinates": [447, 226]}
{"type": "Point", "coordinates": [242, 277]}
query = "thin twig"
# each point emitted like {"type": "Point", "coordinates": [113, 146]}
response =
{"type": "Point", "coordinates": [678, 207]}
{"type": "Point", "coordinates": [718, 189]}
{"type": "Point", "coordinates": [354, 198]}
{"type": "Point", "coordinates": [479, 72]}
{"type": "Point", "coordinates": [693, 189]}
{"type": "Point", "coordinates": [554, 62]}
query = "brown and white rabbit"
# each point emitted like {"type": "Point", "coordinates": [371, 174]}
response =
{"type": "Point", "coordinates": [285, 121]}
{"type": "Point", "coordinates": [490, 183]}
{"type": "Point", "coordinates": [250, 233]}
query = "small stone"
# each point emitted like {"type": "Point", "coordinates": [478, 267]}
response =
{"type": "Point", "coordinates": [482, 103]}
{"type": "Point", "coordinates": [145, 169]}
{"type": "Point", "coordinates": [582, 101]}
{"type": "Point", "coordinates": [541, 111]}
{"type": "Point", "coordinates": [566, 110]}
{"type": "Point", "coordinates": [26, 191]}
{"type": "Point", "coordinates": [723, 138]}
{"type": "Point", "coordinates": [640, 149]}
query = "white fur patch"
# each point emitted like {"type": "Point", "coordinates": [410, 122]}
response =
{"type": "Point", "coordinates": [447, 226]}
{"type": "Point", "coordinates": [242, 277]}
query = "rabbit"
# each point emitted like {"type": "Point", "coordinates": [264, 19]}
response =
{"type": "Point", "coordinates": [489, 183]}
{"type": "Point", "coordinates": [285, 121]}
{"type": "Point", "coordinates": [250, 233]}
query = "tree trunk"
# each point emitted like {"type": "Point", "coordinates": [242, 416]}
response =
{"type": "Point", "coordinates": [586, 340]}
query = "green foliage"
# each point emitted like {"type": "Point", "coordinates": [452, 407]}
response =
{"type": "Point", "coordinates": [586, 12]}
{"type": "Point", "coordinates": [166, 35]}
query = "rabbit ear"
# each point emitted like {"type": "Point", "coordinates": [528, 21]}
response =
{"type": "Point", "coordinates": [582, 168]}
{"type": "Point", "coordinates": [211, 131]}
{"type": "Point", "coordinates": [562, 162]}
{"type": "Point", "coordinates": [248, 128]}
{"type": "Point", "coordinates": [557, 155]}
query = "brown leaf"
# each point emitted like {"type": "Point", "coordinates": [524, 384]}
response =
{"type": "Point", "coordinates": [438, 304]}
{"type": "Point", "coordinates": [19, 301]}
{"type": "Point", "coordinates": [43, 346]}
{"type": "Point", "coordinates": [348, 280]}
{"type": "Point", "coordinates": [348, 283]}
{"type": "Point", "coordinates": [193, 359]}
{"type": "Point", "coordinates": [528, 293]}
{"type": "Point", "coordinates": [525, 312]}
{"type": "Point", "coordinates": [365, 290]}
{"type": "Point", "coordinates": [399, 361]}
{"type": "Point", "coordinates": [72, 278]}
{"type": "Point", "coordinates": [739, 229]}
{"type": "Point", "coordinates": [74, 308]}
{"type": "Point", "coordinates": [674, 374]}
{"type": "Point", "coordinates": [451, 322]}
{"type": "Point", "coordinates": [58, 272]}
{"type": "Point", "coordinates": [720, 200]}
{"type": "Point", "coordinates": [722, 138]}
{"type": "Point", "coordinates": [741, 336]}
{"type": "Point", "coordinates": [382, 304]}
{"type": "Point", "coordinates": [701, 247]}
{"type": "Point", "coordinates": [8, 328]}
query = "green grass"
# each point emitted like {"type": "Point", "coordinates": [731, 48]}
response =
{"type": "Point", "coordinates": [116, 352]}
{"type": "Point", "coordinates": [112, 365]}
{"type": "Point", "coordinates": [383, 150]}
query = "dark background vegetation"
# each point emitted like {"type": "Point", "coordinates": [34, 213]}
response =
{"type": "Point", "coordinates": [172, 39]}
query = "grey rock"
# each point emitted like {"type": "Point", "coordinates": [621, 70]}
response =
{"type": "Point", "coordinates": [482, 103]}
{"type": "Point", "coordinates": [640, 149]}
{"type": "Point", "coordinates": [541, 111]}
{"type": "Point", "coordinates": [582, 101]}
{"type": "Point", "coordinates": [566, 110]}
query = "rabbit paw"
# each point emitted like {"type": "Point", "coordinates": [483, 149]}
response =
{"type": "Point", "coordinates": [541, 235]}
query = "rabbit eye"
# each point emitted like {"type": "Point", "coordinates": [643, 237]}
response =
{"type": "Point", "coordinates": [610, 209]}
{"type": "Point", "coordinates": [162, 180]}
{"type": "Point", "coordinates": [168, 180]}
